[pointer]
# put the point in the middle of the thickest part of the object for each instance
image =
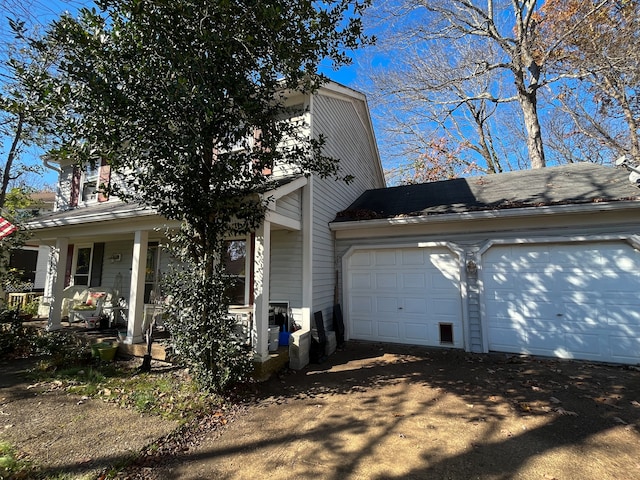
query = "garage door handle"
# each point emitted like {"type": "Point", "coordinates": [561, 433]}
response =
{"type": "Point", "coordinates": [399, 308]}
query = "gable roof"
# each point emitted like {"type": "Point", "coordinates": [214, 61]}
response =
{"type": "Point", "coordinates": [568, 184]}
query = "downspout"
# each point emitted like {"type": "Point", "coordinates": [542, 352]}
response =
{"type": "Point", "coordinates": [45, 161]}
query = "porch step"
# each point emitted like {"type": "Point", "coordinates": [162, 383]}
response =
{"type": "Point", "coordinates": [276, 362]}
{"type": "Point", "coordinates": [158, 351]}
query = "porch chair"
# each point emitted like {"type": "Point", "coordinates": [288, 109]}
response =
{"type": "Point", "coordinates": [82, 303]}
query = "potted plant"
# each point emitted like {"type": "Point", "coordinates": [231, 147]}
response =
{"type": "Point", "coordinates": [30, 310]}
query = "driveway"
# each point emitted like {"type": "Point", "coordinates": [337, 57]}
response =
{"type": "Point", "coordinates": [376, 411]}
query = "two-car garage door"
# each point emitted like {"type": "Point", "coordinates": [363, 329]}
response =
{"type": "Point", "coordinates": [405, 295]}
{"type": "Point", "coordinates": [571, 301]}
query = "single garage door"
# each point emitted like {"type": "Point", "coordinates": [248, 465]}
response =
{"type": "Point", "coordinates": [571, 301]}
{"type": "Point", "coordinates": [405, 295]}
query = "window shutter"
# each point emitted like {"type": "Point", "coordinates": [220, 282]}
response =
{"type": "Point", "coordinates": [67, 271]}
{"type": "Point", "coordinates": [96, 265]}
{"type": "Point", "coordinates": [75, 186]}
{"type": "Point", "coordinates": [103, 181]}
{"type": "Point", "coordinates": [257, 136]}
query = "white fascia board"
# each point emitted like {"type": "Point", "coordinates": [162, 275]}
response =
{"type": "Point", "coordinates": [487, 214]}
{"type": "Point", "coordinates": [80, 218]}
{"type": "Point", "coordinates": [285, 189]}
{"type": "Point", "coordinates": [280, 220]}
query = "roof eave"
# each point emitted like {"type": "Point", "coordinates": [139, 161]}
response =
{"type": "Point", "coordinates": [487, 214]}
{"type": "Point", "coordinates": [85, 218]}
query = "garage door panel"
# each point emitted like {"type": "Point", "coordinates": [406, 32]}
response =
{"type": "Point", "coordinates": [506, 339]}
{"type": "Point", "coordinates": [361, 304]}
{"type": "Point", "coordinates": [386, 281]}
{"type": "Point", "coordinates": [416, 332]}
{"type": "Point", "coordinates": [385, 258]}
{"type": "Point", "coordinates": [411, 290]}
{"type": "Point", "coordinates": [413, 258]}
{"type": "Point", "coordinates": [362, 327]}
{"type": "Point", "coordinates": [415, 305]}
{"type": "Point", "coordinates": [360, 259]}
{"type": "Point", "coordinates": [624, 348]}
{"type": "Point", "coordinates": [622, 315]}
{"type": "Point", "coordinates": [387, 304]}
{"type": "Point", "coordinates": [540, 309]}
{"type": "Point", "coordinates": [584, 304]}
{"type": "Point", "coordinates": [389, 331]}
{"type": "Point", "coordinates": [446, 306]}
{"type": "Point", "coordinates": [361, 281]}
{"type": "Point", "coordinates": [414, 280]}
{"type": "Point", "coordinates": [578, 345]}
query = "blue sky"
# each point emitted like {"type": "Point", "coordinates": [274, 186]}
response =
{"type": "Point", "coordinates": [43, 11]}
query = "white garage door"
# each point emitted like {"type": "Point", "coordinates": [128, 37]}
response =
{"type": "Point", "coordinates": [405, 295]}
{"type": "Point", "coordinates": [569, 301]}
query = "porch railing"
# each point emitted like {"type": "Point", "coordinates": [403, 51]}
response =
{"type": "Point", "coordinates": [20, 300]}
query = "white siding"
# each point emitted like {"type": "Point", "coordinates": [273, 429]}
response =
{"type": "Point", "coordinates": [117, 274]}
{"type": "Point", "coordinates": [289, 205]}
{"type": "Point", "coordinates": [63, 195]}
{"type": "Point", "coordinates": [286, 267]}
{"type": "Point", "coordinates": [349, 140]}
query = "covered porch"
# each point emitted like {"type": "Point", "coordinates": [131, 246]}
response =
{"type": "Point", "coordinates": [116, 249]}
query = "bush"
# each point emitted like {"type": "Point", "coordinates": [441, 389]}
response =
{"type": "Point", "coordinates": [19, 341]}
{"type": "Point", "coordinates": [201, 330]}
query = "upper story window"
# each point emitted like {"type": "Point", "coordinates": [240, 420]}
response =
{"type": "Point", "coordinates": [88, 183]}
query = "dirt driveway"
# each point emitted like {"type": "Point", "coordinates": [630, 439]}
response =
{"type": "Point", "coordinates": [380, 412]}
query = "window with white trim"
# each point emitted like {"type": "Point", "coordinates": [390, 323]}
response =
{"type": "Point", "coordinates": [81, 267]}
{"type": "Point", "coordinates": [90, 178]}
{"type": "Point", "coordinates": [236, 264]}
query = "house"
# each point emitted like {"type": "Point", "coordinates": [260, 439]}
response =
{"type": "Point", "coordinates": [541, 262]}
{"type": "Point", "coordinates": [99, 241]}
{"type": "Point", "coordinates": [30, 260]}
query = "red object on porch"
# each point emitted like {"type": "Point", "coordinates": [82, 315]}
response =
{"type": "Point", "coordinates": [6, 228]}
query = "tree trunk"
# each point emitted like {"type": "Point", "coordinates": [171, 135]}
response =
{"type": "Point", "coordinates": [528, 102]}
{"type": "Point", "coordinates": [6, 176]}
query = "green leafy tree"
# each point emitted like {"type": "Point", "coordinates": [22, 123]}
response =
{"type": "Point", "coordinates": [21, 109]}
{"type": "Point", "coordinates": [188, 97]}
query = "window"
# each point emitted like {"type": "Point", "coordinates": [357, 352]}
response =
{"type": "Point", "coordinates": [82, 265]}
{"type": "Point", "coordinates": [235, 263]}
{"type": "Point", "coordinates": [152, 273]}
{"type": "Point", "coordinates": [90, 182]}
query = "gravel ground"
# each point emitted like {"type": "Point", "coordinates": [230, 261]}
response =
{"type": "Point", "coordinates": [371, 411]}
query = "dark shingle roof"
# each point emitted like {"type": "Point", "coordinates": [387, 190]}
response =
{"type": "Point", "coordinates": [567, 184]}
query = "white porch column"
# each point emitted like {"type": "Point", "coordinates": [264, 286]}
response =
{"type": "Point", "coordinates": [307, 254]}
{"type": "Point", "coordinates": [136, 293]}
{"type": "Point", "coordinates": [58, 266]}
{"type": "Point", "coordinates": [262, 262]}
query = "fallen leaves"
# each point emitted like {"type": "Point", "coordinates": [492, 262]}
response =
{"type": "Point", "coordinates": [562, 411]}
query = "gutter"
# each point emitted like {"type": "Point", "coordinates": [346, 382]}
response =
{"type": "Point", "coordinates": [46, 159]}
{"type": "Point", "coordinates": [486, 215]}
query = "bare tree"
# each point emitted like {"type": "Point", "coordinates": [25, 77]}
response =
{"type": "Point", "coordinates": [473, 54]}
{"type": "Point", "coordinates": [418, 123]}
{"type": "Point", "coordinates": [598, 46]}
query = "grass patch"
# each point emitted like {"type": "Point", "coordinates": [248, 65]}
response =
{"type": "Point", "coordinates": [170, 393]}
{"type": "Point", "coordinates": [11, 466]}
